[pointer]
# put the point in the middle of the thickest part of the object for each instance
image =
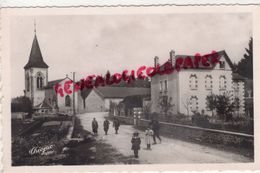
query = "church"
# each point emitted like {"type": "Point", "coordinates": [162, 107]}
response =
{"type": "Point", "coordinates": [40, 90]}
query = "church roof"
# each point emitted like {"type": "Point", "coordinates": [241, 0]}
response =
{"type": "Point", "coordinates": [53, 82]}
{"type": "Point", "coordinates": [35, 59]}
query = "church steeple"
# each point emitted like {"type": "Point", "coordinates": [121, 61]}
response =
{"type": "Point", "coordinates": [35, 59]}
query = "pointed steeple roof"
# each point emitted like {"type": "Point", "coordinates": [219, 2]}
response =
{"type": "Point", "coordinates": [35, 59]}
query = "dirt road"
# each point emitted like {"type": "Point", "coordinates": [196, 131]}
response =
{"type": "Point", "coordinates": [169, 151]}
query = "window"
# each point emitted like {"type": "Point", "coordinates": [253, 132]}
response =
{"type": "Point", "coordinates": [39, 80]}
{"type": "Point", "coordinates": [222, 64]}
{"type": "Point", "coordinates": [194, 105]}
{"type": "Point", "coordinates": [67, 101]}
{"type": "Point", "coordinates": [222, 83]}
{"type": "Point", "coordinates": [161, 86]}
{"type": "Point", "coordinates": [27, 83]}
{"type": "Point", "coordinates": [165, 85]}
{"type": "Point", "coordinates": [208, 82]}
{"type": "Point", "coordinates": [193, 82]}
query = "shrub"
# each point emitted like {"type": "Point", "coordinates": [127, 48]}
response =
{"type": "Point", "coordinates": [200, 120]}
{"type": "Point", "coordinates": [21, 104]}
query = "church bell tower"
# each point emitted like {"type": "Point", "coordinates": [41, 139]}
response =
{"type": "Point", "coordinates": [36, 74]}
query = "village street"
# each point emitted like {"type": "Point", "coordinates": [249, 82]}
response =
{"type": "Point", "coordinates": [169, 151]}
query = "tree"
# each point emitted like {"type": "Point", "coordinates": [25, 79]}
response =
{"type": "Point", "coordinates": [245, 65]}
{"type": "Point", "coordinates": [21, 104]}
{"type": "Point", "coordinates": [224, 107]}
{"type": "Point", "coordinates": [165, 104]}
{"type": "Point", "coordinates": [211, 102]}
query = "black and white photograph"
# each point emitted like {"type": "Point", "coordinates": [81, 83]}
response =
{"type": "Point", "coordinates": [130, 89]}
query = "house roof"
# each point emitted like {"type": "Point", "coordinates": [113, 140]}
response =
{"type": "Point", "coordinates": [85, 92]}
{"type": "Point", "coordinates": [35, 59]}
{"type": "Point", "coordinates": [200, 65]}
{"type": "Point", "coordinates": [121, 92]}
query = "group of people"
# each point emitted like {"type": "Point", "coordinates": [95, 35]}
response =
{"type": "Point", "coordinates": [106, 124]}
{"type": "Point", "coordinates": [151, 133]}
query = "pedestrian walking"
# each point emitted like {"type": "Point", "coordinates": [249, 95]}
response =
{"type": "Point", "coordinates": [148, 137]}
{"type": "Point", "coordinates": [136, 141]}
{"type": "Point", "coordinates": [156, 130]}
{"type": "Point", "coordinates": [116, 125]}
{"type": "Point", "coordinates": [95, 126]}
{"type": "Point", "coordinates": [106, 126]}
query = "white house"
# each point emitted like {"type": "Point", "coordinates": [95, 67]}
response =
{"type": "Point", "coordinates": [187, 89]}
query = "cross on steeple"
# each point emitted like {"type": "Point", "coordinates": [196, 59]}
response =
{"type": "Point", "coordinates": [34, 26]}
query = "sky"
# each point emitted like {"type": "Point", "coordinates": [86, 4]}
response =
{"type": "Point", "coordinates": [93, 44]}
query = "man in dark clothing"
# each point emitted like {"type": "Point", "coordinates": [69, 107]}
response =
{"type": "Point", "coordinates": [116, 124]}
{"type": "Point", "coordinates": [95, 126]}
{"type": "Point", "coordinates": [156, 130]}
{"type": "Point", "coordinates": [106, 126]}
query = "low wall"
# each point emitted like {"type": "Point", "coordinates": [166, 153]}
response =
{"type": "Point", "coordinates": [199, 134]}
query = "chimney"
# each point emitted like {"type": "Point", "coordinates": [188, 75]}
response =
{"type": "Point", "coordinates": [172, 57]}
{"type": "Point", "coordinates": [156, 61]}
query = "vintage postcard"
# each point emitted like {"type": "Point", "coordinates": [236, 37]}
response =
{"type": "Point", "coordinates": [147, 88]}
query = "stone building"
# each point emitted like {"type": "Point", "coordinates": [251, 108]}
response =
{"type": "Point", "coordinates": [41, 91]}
{"type": "Point", "coordinates": [99, 99]}
{"type": "Point", "coordinates": [187, 89]}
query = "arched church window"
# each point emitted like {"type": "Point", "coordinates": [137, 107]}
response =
{"type": "Point", "coordinates": [39, 81]}
{"type": "Point", "coordinates": [67, 101]}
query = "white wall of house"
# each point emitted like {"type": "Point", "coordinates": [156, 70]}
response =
{"type": "Point", "coordinates": [159, 87]}
{"type": "Point", "coordinates": [61, 100]}
{"type": "Point", "coordinates": [195, 97]}
{"type": "Point", "coordinates": [94, 102]}
{"type": "Point", "coordinates": [190, 87]}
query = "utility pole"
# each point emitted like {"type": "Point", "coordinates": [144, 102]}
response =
{"type": "Point", "coordinates": [74, 112]}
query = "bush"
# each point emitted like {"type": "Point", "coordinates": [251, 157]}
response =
{"type": "Point", "coordinates": [21, 104]}
{"type": "Point", "coordinates": [200, 120]}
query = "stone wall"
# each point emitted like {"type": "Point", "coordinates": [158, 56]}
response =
{"type": "Point", "coordinates": [199, 134]}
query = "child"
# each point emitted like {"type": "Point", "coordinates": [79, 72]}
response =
{"type": "Point", "coordinates": [136, 141]}
{"type": "Point", "coordinates": [148, 137]}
